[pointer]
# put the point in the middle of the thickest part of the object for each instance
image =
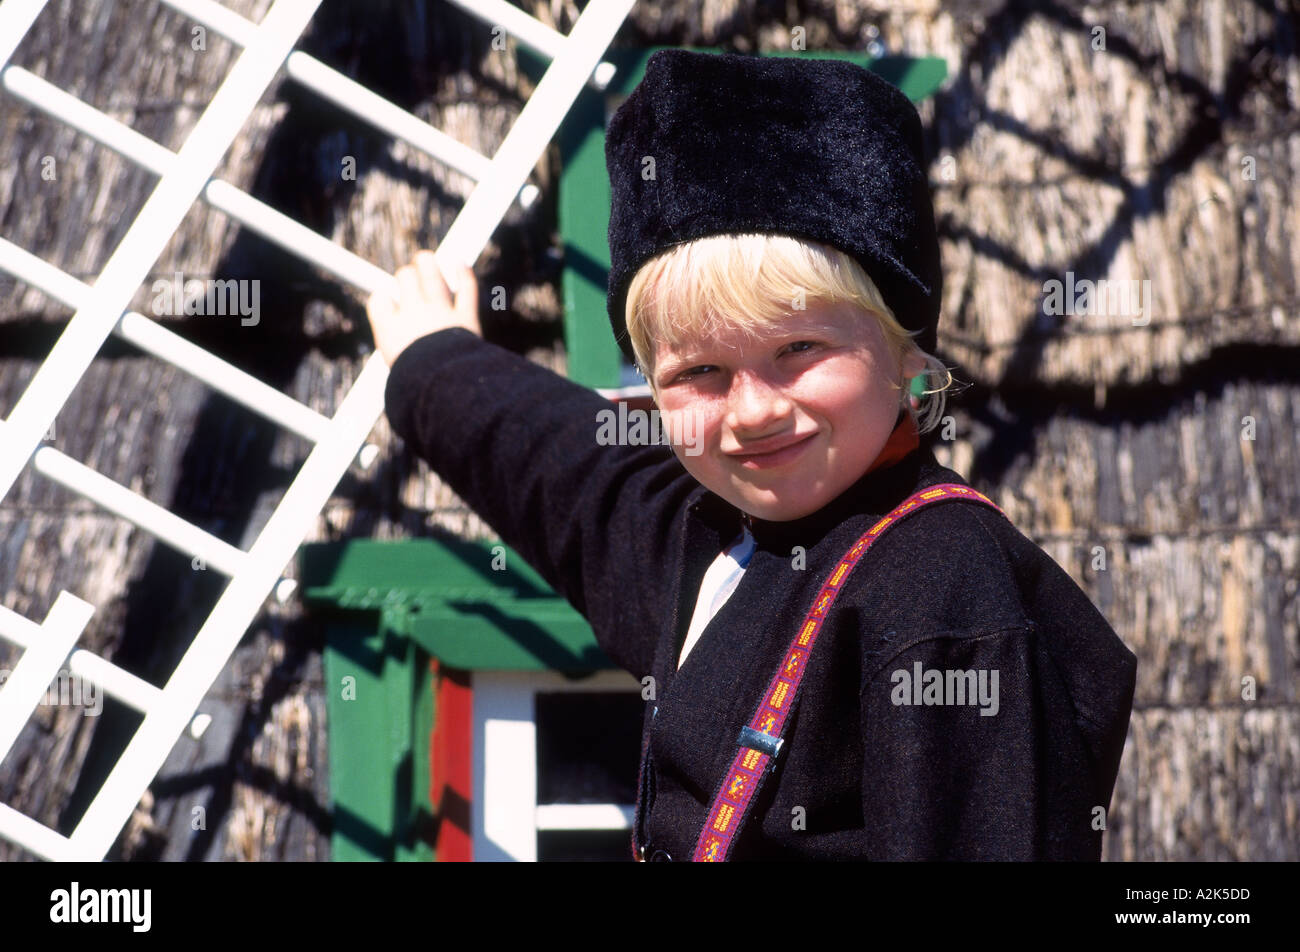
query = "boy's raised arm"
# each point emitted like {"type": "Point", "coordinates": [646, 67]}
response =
{"type": "Point", "coordinates": [519, 444]}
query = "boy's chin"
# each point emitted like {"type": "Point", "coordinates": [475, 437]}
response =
{"type": "Point", "coordinates": [786, 514]}
{"type": "Point", "coordinates": [775, 510]}
{"type": "Point", "coordinates": [790, 503]}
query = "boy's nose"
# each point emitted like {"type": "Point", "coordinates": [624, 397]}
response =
{"type": "Point", "coordinates": [755, 404]}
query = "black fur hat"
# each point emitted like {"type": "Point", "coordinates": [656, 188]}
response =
{"type": "Point", "coordinates": [813, 148]}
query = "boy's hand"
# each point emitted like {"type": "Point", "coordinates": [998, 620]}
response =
{"type": "Point", "coordinates": [425, 304]}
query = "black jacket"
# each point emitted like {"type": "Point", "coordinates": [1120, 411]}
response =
{"type": "Point", "coordinates": [626, 534]}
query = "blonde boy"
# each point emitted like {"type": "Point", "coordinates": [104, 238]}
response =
{"type": "Point", "coordinates": [777, 280]}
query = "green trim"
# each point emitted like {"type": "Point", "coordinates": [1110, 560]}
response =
{"type": "Point", "coordinates": [594, 358]}
{"type": "Point", "coordinates": [378, 740]}
{"type": "Point", "coordinates": [388, 607]}
{"type": "Point", "coordinates": [410, 573]}
{"type": "Point", "coordinates": [509, 635]}
{"type": "Point", "coordinates": [418, 845]}
{"type": "Point", "coordinates": [472, 605]}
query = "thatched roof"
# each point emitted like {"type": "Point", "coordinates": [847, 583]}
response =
{"type": "Point", "coordinates": [1048, 157]}
{"type": "Point", "coordinates": [1160, 158]}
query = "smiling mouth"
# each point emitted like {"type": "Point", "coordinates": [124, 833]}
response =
{"type": "Point", "coordinates": [776, 457]}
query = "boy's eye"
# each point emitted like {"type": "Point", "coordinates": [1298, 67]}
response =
{"type": "Point", "coordinates": [800, 346]}
{"type": "Point", "coordinates": [694, 372]}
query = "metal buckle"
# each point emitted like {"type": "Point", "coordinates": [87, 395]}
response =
{"type": "Point", "coordinates": [763, 743]}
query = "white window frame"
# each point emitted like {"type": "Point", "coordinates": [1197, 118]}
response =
{"type": "Point", "coordinates": [505, 814]}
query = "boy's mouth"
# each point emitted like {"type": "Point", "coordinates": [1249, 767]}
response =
{"type": "Point", "coordinates": [774, 454]}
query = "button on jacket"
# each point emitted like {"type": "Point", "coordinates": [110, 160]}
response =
{"type": "Point", "coordinates": [883, 759]}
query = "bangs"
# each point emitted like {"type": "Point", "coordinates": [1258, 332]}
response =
{"type": "Point", "coordinates": [744, 284]}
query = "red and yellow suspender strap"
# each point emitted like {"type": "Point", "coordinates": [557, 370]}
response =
{"type": "Point", "coordinates": [760, 741]}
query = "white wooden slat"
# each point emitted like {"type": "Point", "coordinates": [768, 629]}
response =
{"type": "Point", "coordinates": [155, 339]}
{"type": "Point", "coordinates": [531, 32]}
{"type": "Point", "coordinates": [234, 27]}
{"type": "Point", "coordinates": [132, 691]}
{"type": "Point", "coordinates": [397, 122]}
{"type": "Point", "coordinates": [224, 197]}
{"type": "Point", "coordinates": [159, 218]}
{"type": "Point", "coordinates": [504, 768]}
{"type": "Point", "coordinates": [40, 664]}
{"type": "Point", "coordinates": [585, 816]}
{"type": "Point", "coordinates": [217, 554]}
{"type": "Point", "coordinates": [535, 127]}
{"type": "Point", "coordinates": [18, 629]}
{"type": "Point", "coordinates": [45, 96]}
{"type": "Point", "coordinates": [126, 687]}
{"type": "Point", "coordinates": [16, 18]}
{"type": "Point", "coordinates": [355, 98]}
{"type": "Point", "coordinates": [36, 837]}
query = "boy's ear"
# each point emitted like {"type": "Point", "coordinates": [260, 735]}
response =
{"type": "Point", "coordinates": [913, 364]}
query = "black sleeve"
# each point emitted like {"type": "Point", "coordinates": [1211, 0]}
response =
{"type": "Point", "coordinates": [1007, 777]}
{"type": "Point", "coordinates": [519, 444]}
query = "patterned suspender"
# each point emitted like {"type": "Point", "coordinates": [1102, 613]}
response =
{"type": "Point", "coordinates": [760, 741]}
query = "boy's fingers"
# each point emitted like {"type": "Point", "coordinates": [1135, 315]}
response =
{"type": "Point", "coordinates": [467, 295]}
{"type": "Point", "coordinates": [381, 309]}
{"type": "Point", "coordinates": [431, 280]}
{"type": "Point", "coordinates": [380, 306]}
{"type": "Point", "coordinates": [408, 282]}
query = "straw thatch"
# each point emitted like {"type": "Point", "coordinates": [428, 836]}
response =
{"type": "Point", "coordinates": [1167, 449]}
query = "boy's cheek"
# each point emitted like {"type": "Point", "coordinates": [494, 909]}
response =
{"type": "Point", "coordinates": [702, 466]}
{"type": "Point", "coordinates": [692, 459]}
{"type": "Point", "coordinates": [688, 431]}
{"type": "Point", "coordinates": [692, 441]}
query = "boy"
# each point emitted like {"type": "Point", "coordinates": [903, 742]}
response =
{"type": "Point", "coordinates": [963, 699]}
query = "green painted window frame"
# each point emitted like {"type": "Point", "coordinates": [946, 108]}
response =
{"type": "Point", "coordinates": [388, 608]}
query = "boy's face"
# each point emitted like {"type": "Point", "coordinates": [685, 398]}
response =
{"type": "Point", "coordinates": [781, 424]}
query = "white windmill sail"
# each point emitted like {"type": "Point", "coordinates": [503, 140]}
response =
{"type": "Point", "coordinates": [101, 309]}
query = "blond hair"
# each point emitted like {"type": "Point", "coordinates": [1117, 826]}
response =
{"type": "Point", "coordinates": [748, 283]}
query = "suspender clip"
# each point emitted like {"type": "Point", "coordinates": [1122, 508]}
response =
{"type": "Point", "coordinates": [763, 743]}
